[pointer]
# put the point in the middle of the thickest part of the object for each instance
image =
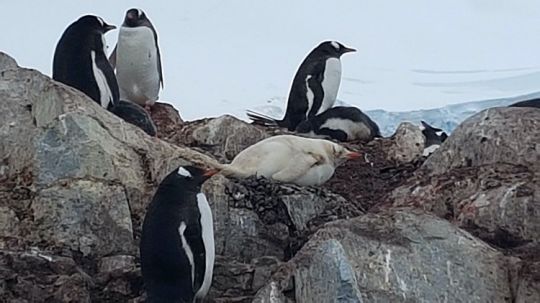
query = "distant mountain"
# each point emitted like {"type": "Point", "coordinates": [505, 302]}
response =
{"type": "Point", "coordinates": [447, 117]}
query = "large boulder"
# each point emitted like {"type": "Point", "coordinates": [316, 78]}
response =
{"type": "Point", "coordinates": [396, 256]}
{"type": "Point", "coordinates": [495, 135]}
{"type": "Point", "coordinates": [74, 182]}
{"type": "Point", "coordinates": [485, 177]}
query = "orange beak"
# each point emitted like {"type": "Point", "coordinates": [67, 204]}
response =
{"type": "Point", "coordinates": [210, 172]}
{"type": "Point", "coordinates": [353, 155]}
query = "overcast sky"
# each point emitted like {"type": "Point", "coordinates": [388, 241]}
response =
{"type": "Point", "coordinates": [228, 56]}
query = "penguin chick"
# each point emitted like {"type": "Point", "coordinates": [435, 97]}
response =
{"type": "Point", "coordinates": [291, 159]}
{"type": "Point", "coordinates": [340, 123]}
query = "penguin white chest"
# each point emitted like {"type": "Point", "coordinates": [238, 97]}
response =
{"type": "Point", "coordinates": [330, 83]}
{"type": "Point", "coordinates": [207, 226]}
{"type": "Point", "coordinates": [137, 64]}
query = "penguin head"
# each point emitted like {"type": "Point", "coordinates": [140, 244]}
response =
{"type": "Point", "coordinates": [94, 24]}
{"type": "Point", "coordinates": [433, 135]}
{"type": "Point", "coordinates": [191, 176]}
{"type": "Point", "coordinates": [136, 17]}
{"type": "Point", "coordinates": [334, 48]}
{"type": "Point", "coordinates": [340, 154]}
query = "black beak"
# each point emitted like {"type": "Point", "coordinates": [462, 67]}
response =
{"type": "Point", "coordinates": [108, 27]}
{"type": "Point", "coordinates": [347, 50]}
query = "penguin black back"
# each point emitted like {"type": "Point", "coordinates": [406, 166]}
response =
{"type": "Point", "coordinates": [174, 251]}
{"type": "Point", "coordinates": [342, 123]}
{"type": "Point", "coordinates": [80, 60]}
{"type": "Point", "coordinates": [527, 103]}
{"type": "Point", "coordinates": [314, 87]}
{"type": "Point", "coordinates": [434, 137]}
{"type": "Point", "coordinates": [136, 115]}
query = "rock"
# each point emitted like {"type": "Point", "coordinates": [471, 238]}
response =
{"type": "Point", "coordinates": [71, 289]}
{"type": "Point", "coordinates": [85, 167]}
{"type": "Point", "coordinates": [495, 135]}
{"type": "Point", "coordinates": [528, 285]}
{"type": "Point", "coordinates": [6, 62]}
{"type": "Point", "coordinates": [407, 143]}
{"type": "Point", "coordinates": [9, 223]}
{"type": "Point", "coordinates": [227, 136]}
{"type": "Point", "coordinates": [397, 256]}
{"type": "Point", "coordinates": [122, 263]}
{"type": "Point", "coordinates": [485, 178]}
{"type": "Point", "coordinates": [166, 118]}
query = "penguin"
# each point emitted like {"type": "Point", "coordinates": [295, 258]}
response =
{"type": "Point", "coordinates": [137, 60]}
{"type": "Point", "coordinates": [527, 103]}
{"type": "Point", "coordinates": [290, 159]}
{"type": "Point", "coordinates": [434, 138]}
{"type": "Point", "coordinates": [314, 88]}
{"type": "Point", "coordinates": [177, 241]}
{"type": "Point", "coordinates": [342, 123]}
{"type": "Point", "coordinates": [80, 60]}
{"type": "Point", "coordinates": [136, 115]}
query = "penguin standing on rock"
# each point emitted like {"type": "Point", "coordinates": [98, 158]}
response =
{"type": "Point", "coordinates": [434, 138]}
{"type": "Point", "coordinates": [314, 88]}
{"type": "Point", "coordinates": [137, 60]}
{"type": "Point", "coordinates": [80, 60]}
{"type": "Point", "coordinates": [340, 123]}
{"type": "Point", "coordinates": [177, 242]}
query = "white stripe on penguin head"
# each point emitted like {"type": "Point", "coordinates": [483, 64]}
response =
{"type": "Point", "coordinates": [335, 45]}
{"type": "Point", "coordinates": [184, 172]}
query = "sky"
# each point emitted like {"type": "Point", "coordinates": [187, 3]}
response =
{"type": "Point", "coordinates": [228, 56]}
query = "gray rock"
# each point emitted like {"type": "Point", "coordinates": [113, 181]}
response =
{"type": "Point", "coordinates": [9, 223]}
{"type": "Point", "coordinates": [407, 143]}
{"type": "Point", "coordinates": [116, 263]}
{"type": "Point", "coordinates": [398, 256]}
{"type": "Point", "coordinates": [89, 173]}
{"type": "Point", "coordinates": [6, 62]}
{"type": "Point", "coordinates": [228, 136]}
{"type": "Point", "coordinates": [86, 216]}
{"type": "Point", "coordinates": [495, 135]}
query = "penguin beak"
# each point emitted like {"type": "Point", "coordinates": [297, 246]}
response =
{"type": "Point", "coordinates": [348, 50]}
{"type": "Point", "coordinates": [353, 155]}
{"type": "Point", "coordinates": [210, 172]}
{"type": "Point", "coordinates": [108, 27]}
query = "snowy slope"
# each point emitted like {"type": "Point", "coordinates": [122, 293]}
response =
{"type": "Point", "coordinates": [446, 117]}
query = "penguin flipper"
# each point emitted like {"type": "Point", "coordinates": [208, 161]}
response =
{"type": "Point", "coordinates": [112, 57]}
{"type": "Point", "coordinates": [260, 119]}
{"type": "Point", "coordinates": [298, 166]}
{"type": "Point", "coordinates": [193, 236]}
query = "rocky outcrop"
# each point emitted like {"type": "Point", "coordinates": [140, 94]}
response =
{"type": "Point", "coordinates": [396, 256]}
{"type": "Point", "coordinates": [485, 177]}
{"type": "Point", "coordinates": [75, 181]}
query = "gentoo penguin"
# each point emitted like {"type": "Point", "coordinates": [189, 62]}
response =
{"type": "Point", "coordinates": [136, 115]}
{"type": "Point", "coordinates": [291, 159]}
{"type": "Point", "coordinates": [527, 103]}
{"type": "Point", "coordinates": [342, 123]}
{"type": "Point", "coordinates": [434, 138]}
{"type": "Point", "coordinates": [80, 60]}
{"type": "Point", "coordinates": [177, 241]}
{"type": "Point", "coordinates": [137, 60]}
{"type": "Point", "coordinates": [314, 88]}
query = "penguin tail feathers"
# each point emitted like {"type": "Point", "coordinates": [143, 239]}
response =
{"type": "Point", "coordinates": [260, 119]}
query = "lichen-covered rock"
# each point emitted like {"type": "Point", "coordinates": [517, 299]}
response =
{"type": "Point", "coordinates": [397, 256]}
{"type": "Point", "coordinates": [227, 136]}
{"type": "Point", "coordinates": [496, 135]}
{"type": "Point", "coordinates": [407, 143]}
